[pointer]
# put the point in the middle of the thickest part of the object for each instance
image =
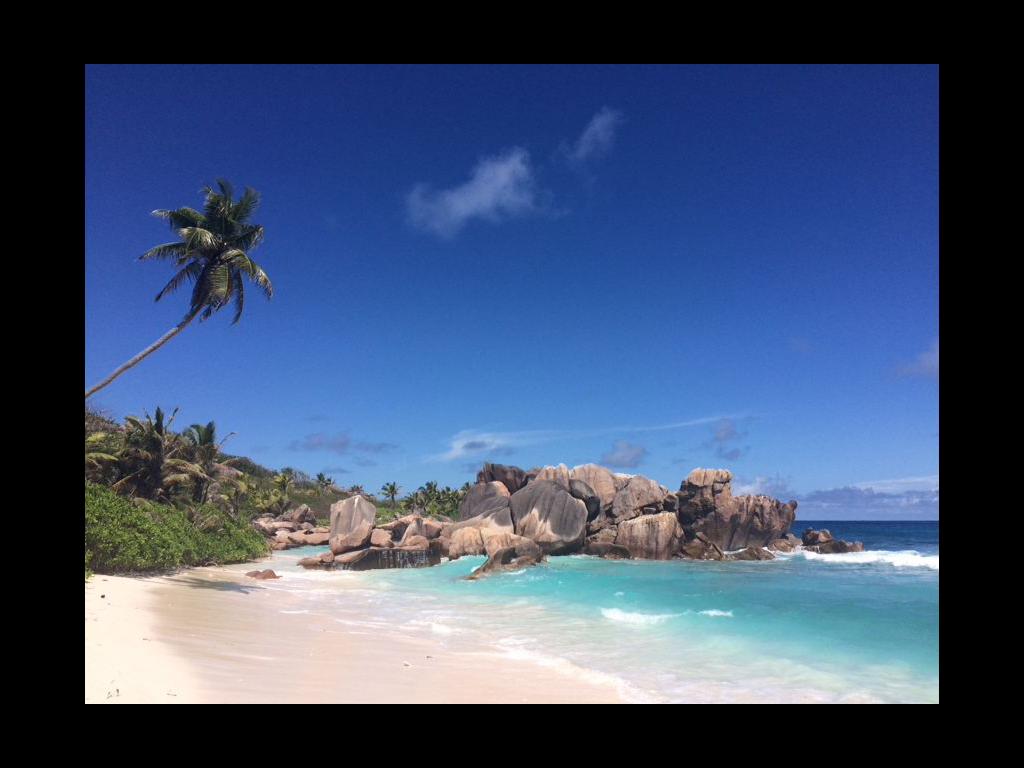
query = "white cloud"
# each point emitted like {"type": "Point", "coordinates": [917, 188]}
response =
{"type": "Point", "coordinates": [499, 188]}
{"type": "Point", "coordinates": [597, 137]}
{"type": "Point", "coordinates": [925, 364]}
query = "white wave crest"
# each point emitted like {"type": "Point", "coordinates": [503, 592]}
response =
{"type": "Point", "coordinates": [899, 559]}
{"type": "Point", "coordinates": [636, 618]}
{"type": "Point", "coordinates": [715, 612]}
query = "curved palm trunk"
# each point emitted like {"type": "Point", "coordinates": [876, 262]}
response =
{"type": "Point", "coordinates": [144, 353]}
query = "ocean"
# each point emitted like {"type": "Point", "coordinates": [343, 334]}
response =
{"type": "Point", "coordinates": [851, 628]}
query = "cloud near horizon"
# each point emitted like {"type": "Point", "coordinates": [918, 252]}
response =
{"type": "Point", "coordinates": [624, 454]}
{"type": "Point", "coordinates": [339, 444]}
{"type": "Point", "coordinates": [724, 436]}
{"type": "Point", "coordinates": [476, 443]}
{"type": "Point", "coordinates": [499, 188]}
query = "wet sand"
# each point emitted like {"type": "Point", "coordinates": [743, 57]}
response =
{"type": "Point", "coordinates": [211, 635]}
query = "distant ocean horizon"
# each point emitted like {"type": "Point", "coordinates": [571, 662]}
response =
{"type": "Point", "coordinates": [858, 627]}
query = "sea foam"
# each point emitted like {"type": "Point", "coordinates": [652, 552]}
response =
{"type": "Point", "coordinates": [900, 559]}
{"type": "Point", "coordinates": [636, 618]}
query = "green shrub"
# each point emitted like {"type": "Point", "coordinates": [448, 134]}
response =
{"type": "Point", "coordinates": [121, 536]}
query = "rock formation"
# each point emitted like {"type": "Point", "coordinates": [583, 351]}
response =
{"type": "Point", "coordinates": [547, 513]}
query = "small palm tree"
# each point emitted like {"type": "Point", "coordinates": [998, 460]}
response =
{"type": "Point", "coordinates": [284, 481]}
{"type": "Point", "coordinates": [202, 442]}
{"type": "Point", "coordinates": [213, 254]}
{"type": "Point", "coordinates": [391, 490]}
{"type": "Point", "coordinates": [150, 459]}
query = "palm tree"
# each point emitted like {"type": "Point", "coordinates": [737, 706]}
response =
{"type": "Point", "coordinates": [205, 450]}
{"type": "Point", "coordinates": [390, 490]}
{"type": "Point", "coordinates": [284, 482]}
{"type": "Point", "coordinates": [213, 254]}
{"type": "Point", "coordinates": [149, 459]}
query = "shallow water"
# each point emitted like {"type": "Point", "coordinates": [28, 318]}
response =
{"type": "Point", "coordinates": [860, 627]}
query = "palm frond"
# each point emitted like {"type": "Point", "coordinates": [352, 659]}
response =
{"type": "Point", "coordinates": [239, 296]}
{"type": "Point", "coordinates": [182, 217]}
{"type": "Point", "coordinates": [247, 239]}
{"type": "Point", "coordinates": [245, 206]}
{"type": "Point", "coordinates": [197, 237]}
{"type": "Point", "coordinates": [191, 272]}
{"type": "Point", "coordinates": [165, 251]}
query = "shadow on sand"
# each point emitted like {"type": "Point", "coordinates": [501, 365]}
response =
{"type": "Point", "coordinates": [223, 586]}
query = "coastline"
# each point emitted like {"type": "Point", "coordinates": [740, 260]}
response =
{"type": "Point", "coordinates": [209, 635]}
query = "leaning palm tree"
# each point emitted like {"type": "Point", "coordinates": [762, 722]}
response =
{"type": "Point", "coordinates": [213, 254]}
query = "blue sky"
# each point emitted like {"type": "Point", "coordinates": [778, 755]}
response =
{"type": "Point", "coordinates": [656, 268]}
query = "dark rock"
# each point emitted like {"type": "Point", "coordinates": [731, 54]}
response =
{"type": "Point", "coordinates": [836, 547]}
{"type": "Point", "coordinates": [580, 490]}
{"type": "Point", "coordinates": [702, 548]}
{"type": "Point", "coordinates": [752, 553]}
{"type": "Point", "coordinates": [545, 512]}
{"type": "Point", "coordinates": [484, 498]}
{"type": "Point", "coordinates": [509, 559]}
{"type": "Point", "coordinates": [651, 537]}
{"type": "Point", "coordinates": [607, 550]}
{"type": "Point", "coordinates": [812, 537]}
{"type": "Point", "coordinates": [376, 558]}
{"type": "Point", "coordinates": [513, 478]}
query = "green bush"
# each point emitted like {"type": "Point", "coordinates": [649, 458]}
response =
{"type": "Point", "coordinates": [121, 536]}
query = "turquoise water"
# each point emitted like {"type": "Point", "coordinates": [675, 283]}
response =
{"type": "Point", "coordinates": [859, 627]}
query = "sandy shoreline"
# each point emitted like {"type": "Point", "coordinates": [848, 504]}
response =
{"type": "Point", "coordinates": [212, 635]}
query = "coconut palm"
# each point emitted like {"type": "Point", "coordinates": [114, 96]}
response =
{"type": "Point", "coordinates": [212, 254]}
{"type": "Point", "coordinates": [391, 490]}
{"type": "Point", "coordinates": [284, 481]}
{"type": "Point", "coordinates": [150, 459]}
{"type": "Point", "coordinates": [204, 449]}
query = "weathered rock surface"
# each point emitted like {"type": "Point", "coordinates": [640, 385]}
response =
{"type": "Point", "coordinates": [702, 548]}
{"type": "Point", "coordinates": [513, 478]}
{"type": "Point", "coordinates": [545, 512]}
{"type": "Point", "coordinates": [706, 505]}
{"type": "Point", "coordinates": [348, 514]}
{"type": "Point", "coordinates": [497, 541]}
{"type": "Point", "coordinates": [380, 538]}
{"type": "Point", "coordinates": [302, 514]}
{"type": "Point", "coordinates": [639, 492]}
{"type": "Point", "coordinates": [651, 537]}
{"type": "Point", "coordinates": [786, 544]}
{"type": "Point", "coordinates": [374, 557]}
{"type": "Point", "coordinates": [465, 541]}
{"type": "Point", "coordinates": [357, 538]}
{"type": "Point", "coordinates": [836, 547]}
{"type": "Point", "coordinates": [601, 480]}
{"type": "Point", "coordinates": [559, 474]}
{"type": "Point", "coordinates": [483, 498]}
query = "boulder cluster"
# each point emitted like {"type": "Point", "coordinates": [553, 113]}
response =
{"type": "Point", "coordinates": [823, 543]}
{"type": "Point", "coordinates": [517, 518]}
{"type": "Point", "coordinates": [295, 528]}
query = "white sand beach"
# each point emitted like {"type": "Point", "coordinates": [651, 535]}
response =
{"type": "Point", "coordinates": [213, 635]}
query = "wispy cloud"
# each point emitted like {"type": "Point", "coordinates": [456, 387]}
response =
{"type": "Point", "coordinates": [339, 444]}
{"type": "Point", "coordinates": [624, 454]}
{"type": "Point", "coordinates": [499, 188]}
{"type": "Point", "coordinates": [902, 484]}
{"type": "Point", "coordinates": [853, 503]}
{"type": "Point", "coordinates": [777, 487]}
{"type": "Point", "coordinates": [925, 364]}
{"type": "Point", "coordinates": [335, 471]}
{"type": "Point", "coordinates": [597, 138]}
{"type": "Point", "coordinates": [724, 438]}
{"type": "Point", "coordinates": [471, 442]}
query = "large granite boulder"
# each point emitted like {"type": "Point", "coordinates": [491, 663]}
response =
{"type": "Point", "coordinates": [787, 543]}
{"type": "Point", "coordinates": [836, 547]}
{"type": "Point", "coordinates": [348, 514]}
{"type": "Point", "coordinates": [513, 478]}
{"type": "Point", "coordinates": [601, 481]}
{"type": "Point", "coordinates": [651, 537]}
{"type": "Point", "coordinates": [700, 491]}
{"type": "Point", "coordinates": [637, 496]}
{"type": "Point", "coordinates": [465, 541]}
{"type": "Point", "coordinates": [373, 558]}
{"type": "Point", "coordinates": [302, 514]}
{"type": "Point", "coordinates": [812, 537]}
{"type": "Point", "coordinates": [357, 538]}
{"type": "Point", "coordinates": [747, 521]}
{"type": "Point", "coordinates": [706, 505]}
{"type": "Point", "coordinates": [381, 538]}
{"type": "Point", "coordinates": [482, 498]}
{"type": "Point", "coordinates": [548, 514]}
{"type": "Point", "coordinates": [559, 474]}
{"type": "Point", "coordinates": [752, 553]}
